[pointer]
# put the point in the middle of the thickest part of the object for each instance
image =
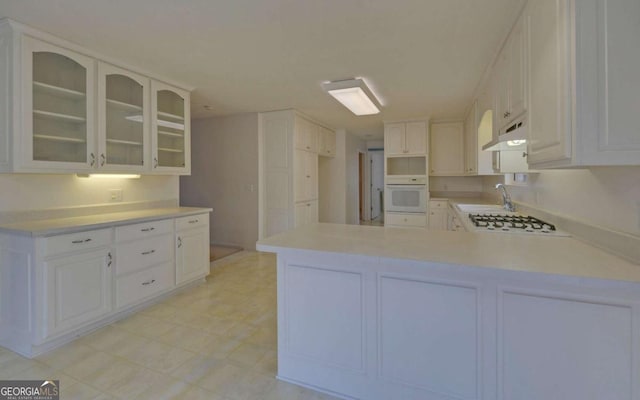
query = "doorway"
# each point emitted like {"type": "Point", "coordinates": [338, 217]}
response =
{"type": "Point", "coordinates": [361, 185]}
{"type": "Point", "coordinates": [376, 193]}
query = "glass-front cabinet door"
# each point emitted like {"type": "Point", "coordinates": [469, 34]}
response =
{"type": "Point", "coordinates": [58, 108]}
{"type": "Point", "coordinates": [170, 124]}
{"type": "Point", "coordinates": [123, 119]}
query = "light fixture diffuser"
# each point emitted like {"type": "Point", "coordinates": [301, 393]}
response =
{"type": "Point", "coordinates": [353, 94]}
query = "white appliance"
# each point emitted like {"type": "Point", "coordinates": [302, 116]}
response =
{"type": "Point", "coordinates": [406, 198]}
{"type": "Point", "coordinates": [512, 222]}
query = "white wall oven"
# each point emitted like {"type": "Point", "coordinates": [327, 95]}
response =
{"type": "Point", "coordinates": [406, 198]}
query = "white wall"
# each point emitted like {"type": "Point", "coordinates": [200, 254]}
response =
{"type": "Point", "coordinates": [604, 196]}
{"type": "Point", "coordinates": [465, 185]}
{"type": "Point", "coordinates": [353, 145]}
{"type": "Point", "coordinates": [224, 164]}
{"type": "Point", "coordinates": [42, 191]}
{"type": "Point", "coordinates": [332, 175]}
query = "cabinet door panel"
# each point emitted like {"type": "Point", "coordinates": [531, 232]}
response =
{"type": "Point", "coordinates": [446, 152]}
{"type": "Point", "coordinates": [123, 119]}
{"type": "Point", "coordinates": [394, 138]}
{"type": "Point", "coordinates": [471, 142]}
{"type": "Point", "coordinates": [416, 137]}
{"type": "Point", "coordinates": [300, 175]}
{"type": "Point", "coordinates": [58, 106]}
{"type": "Point", "coordinates": [517, 70]}
{"type": "Point", "coordinates": [171, 129]}
{"type": "Point", "coordinates": [550, 103]}
{"type": "Point", "coordinates": [311, 169]}
{"type": "Point", "coordinates": [79, 290]}
{"type": "Point", "coordinates": [192, 254]}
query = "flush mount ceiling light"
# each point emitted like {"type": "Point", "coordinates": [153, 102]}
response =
{"type": "Point", "coordinates": [355, 95]}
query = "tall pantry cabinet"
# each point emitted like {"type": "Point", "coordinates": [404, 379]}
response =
{"type": "Point", "coordinates": [289, 146]}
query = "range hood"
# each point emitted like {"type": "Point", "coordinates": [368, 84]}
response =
{"type": "Point", "coordinates": [514, 138]}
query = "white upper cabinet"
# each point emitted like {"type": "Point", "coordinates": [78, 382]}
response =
{"type": "Point", "coordinates": [583, 70]}
{"type": "Point", "coordinates": [405, 138]}
{"type": "Point", "coordinates": [170, 129]}
{"type": "Point", "coordinates": [327, 142]}
{"type": "Point", "coordinates": [511, 77]}
{"type": "Point", "coordinates": [123, 119]}
{"type": "Point", "coordinates": [471, 141]}
{"type": "Point", "coordinates": [306, 135]}
{"type": "Point", "coordinates": [58, 128]}
{"type": "Point", "coordinates": [447, 149]}
{"type": "Point", "coordinates": [50, 91]}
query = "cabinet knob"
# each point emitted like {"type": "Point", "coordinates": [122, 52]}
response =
{"type": "Point", "coordinates": [155, 162]}
{"type": "Point", "coordinates": [93, 159]}
{"type": "Point", "coordinates": [102, 159]}
{"type": "Point", "coordinates": [308, 176]}
{"type": "Point", "coordinates": [524, 154]}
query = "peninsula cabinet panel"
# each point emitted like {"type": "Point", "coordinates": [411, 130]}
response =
{"type": "Point", "coordinates": [578, 348]}
{"type": "Point", "coordinates": [380, 327]}
{"type": "Point", "coordinates": [412, 350]}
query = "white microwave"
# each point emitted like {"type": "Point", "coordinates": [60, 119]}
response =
{"type": "Point", "coordinates": [406, 198]}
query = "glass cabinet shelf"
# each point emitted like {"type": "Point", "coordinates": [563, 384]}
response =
{"type": "Point", "coordinates": [124, 106]}
{"type": "Point", "coordinates": [167, 150]}
{"type": "Point", "coordinates": [59, 117]}
{"type": "Point", "coordinates": [59, 138]}
{"type": "Point", "coordinates": [172, 134]}
{"type": "Point", "coordinates": [58, 91]}
{"type": "Point", "coordinates": [124, 142]}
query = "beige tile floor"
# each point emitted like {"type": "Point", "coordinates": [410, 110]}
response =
{"type": "Point", "coordinates": [216, 341]}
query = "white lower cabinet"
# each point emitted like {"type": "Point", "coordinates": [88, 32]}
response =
{"type": "Point", "coordinates": [415, 220]}
{"type": "Point", "coordinates": [78, 289]}
{"type": "Point", "coordinates": [192, 248]}
{"type": "Point", "coordinates": [53, 289]}
{"type": "Point", "coordinates": [306, 213]}
{"type": "Point", "coordinates": [438, 215]}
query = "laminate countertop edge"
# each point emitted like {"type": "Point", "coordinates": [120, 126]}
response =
{"type": "Point", "coordinates": [59, 226]}
{"type": "Point", "coordinates": [547, 255]}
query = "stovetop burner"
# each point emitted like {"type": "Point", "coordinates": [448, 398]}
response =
{"type": "Point", "coordinates": [513, 223]}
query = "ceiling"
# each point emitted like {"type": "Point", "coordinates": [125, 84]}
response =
{"type": "Point", "coordinates": [423, 57]}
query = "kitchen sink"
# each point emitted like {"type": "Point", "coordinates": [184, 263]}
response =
{"type": "Point", "coordinates": [482, 208]}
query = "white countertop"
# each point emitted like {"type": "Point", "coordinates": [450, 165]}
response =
{"type": "Point", "coordinates": [549, 255]}
{"type": "Point", "coordinates": [56, 226]}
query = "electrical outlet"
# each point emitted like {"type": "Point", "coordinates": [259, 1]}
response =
{"type": "Point", "coordinates": [115, 195]}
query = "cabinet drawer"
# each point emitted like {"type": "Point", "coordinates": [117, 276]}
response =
{"type": "Point", "coordinates": [145, 229]}
{"type": "Point", "coordinates": [438, 204]}
{"type": "Point", "coordinates": [76, 242]}
{"type": "Point", "coordinates": [143, 253]}
{"type": "Point", "coordinates": [416, 220]}
{"type": "Point", "coordinates": [140, 285]}
{"type": "Point", "coordinates": [193, 221]}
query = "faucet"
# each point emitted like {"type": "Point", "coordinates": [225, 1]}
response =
{"type": "Point", "coordinates": [507, 204]}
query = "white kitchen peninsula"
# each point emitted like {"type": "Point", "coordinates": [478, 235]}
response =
{"type": "Point", "coordinates": [393, 313]}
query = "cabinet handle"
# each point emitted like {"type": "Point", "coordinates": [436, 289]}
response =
{"type": "Point", "coordinates": [193, 221]}
{"type": "Point", "coordinates": [525, 154]}
{"type": "Point", "coordinates": [308, 176]}
{"type": "Point", "coordinates": [109, 260]}
{"type": "Point", "coordinates": [148, 282]}
{"type": "Point", "coordinates": [179, 242]}
{"type": "Point", "coordinates": [146, 253]}
{"type": "Point", "coordinates": [308, 204]}
{"type": "Point", "coordinates": [93, 159]}
{"type": "Point", "coordinates": [81, 241]}
{"type": "Point", "coordinates": [155, 162]}
{"type": "Point", "coordinates": [102, 159]}
{"type": "Point", "coordinates": [147, 229]}
{"type": "Point", "coordinates": [308, 147]}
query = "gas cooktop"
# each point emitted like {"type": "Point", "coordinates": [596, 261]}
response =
{"type": "Point", "coordinates": [513, 223]}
